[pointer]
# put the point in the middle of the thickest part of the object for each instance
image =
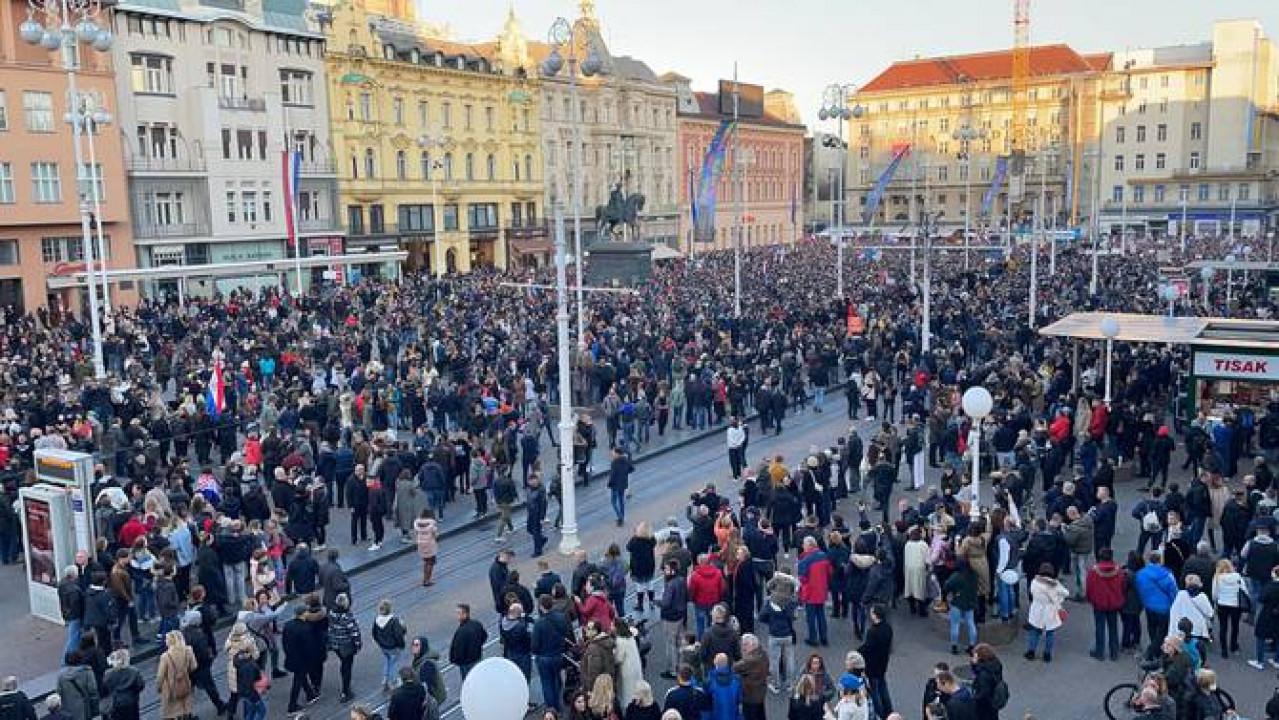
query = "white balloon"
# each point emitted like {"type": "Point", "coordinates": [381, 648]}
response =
{"type": "Point", "coordinates": [495, 689]}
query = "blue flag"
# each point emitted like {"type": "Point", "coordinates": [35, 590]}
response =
{"type": "Point", "coordinates": [877, 192]}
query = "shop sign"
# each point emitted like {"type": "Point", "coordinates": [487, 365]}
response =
{"type": "Point", "coordinates": [1232, 365]}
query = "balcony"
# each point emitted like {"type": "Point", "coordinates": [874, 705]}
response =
{"type": "Point", "coordinates": [318, 167]}
{"type": "Point", "coordinates": [536, 232]}
{"type": "Point", "coordinates": [250, 104]}
{"type": "Point", "coordinates": [146, 231]}
{"type": "Point", "coordinates": [164, 165]}
{"type": "Point", "coordinates": [318, 225]}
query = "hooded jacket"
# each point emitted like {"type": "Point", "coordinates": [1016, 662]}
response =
{"type": "Point", "coordinates": [1106, 586]}
{"type": "Point", "coordinates": [1156, 587]}
{"type": "Point", "coordinates": [725, 691]}
{"type": "Point", "coordinates": [705, 585]}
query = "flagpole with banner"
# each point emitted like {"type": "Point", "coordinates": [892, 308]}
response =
{"type": "Point", "coordinates": [290, 168]}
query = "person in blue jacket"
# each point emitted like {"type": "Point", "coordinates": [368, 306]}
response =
{"type": "Point", "coordinates": [725, 691]}
{"type": "Point", "coordinates": [1157, 588]}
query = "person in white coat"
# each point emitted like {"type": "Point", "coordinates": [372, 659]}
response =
{"type": "Point", "coordinates": [1193, 604]}
{"type": "Point", "coordinates": [1228, 591]}
{"type": "Point", "coordinates": [626, 655]}
{"type": "Point", "coordinates": [1046, 598]}
{"type": "Point", "coordinates": [915, 569]}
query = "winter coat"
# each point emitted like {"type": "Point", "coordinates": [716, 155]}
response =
{"type": "Point", "coordinates": [753, 671]}
{"type": "Point", "coordinates": [915, 568]}
{"type": "Point", "coordinates": [814, 577]}
{"type": "Point", "coordinates": [973, 550]}
{"type": "Point", "coordinates": [597, 659]}
{"type": "Point", "coordinates": [1105, 586]}
{"type": "Point", "coordinates": [80, 695]}
{"type": "Point", "coordinates": [1268, 618]}
{"type": "Point", "coordinates": [674, 600]}
{"type": "Point", "coordinates": [1195, 606]}
{"type": "Point", "coordinates": [630, 669]}
{"type": "Point", "coordinates": [705, 585]}
{"type": "Point", "coordinates": [173, 682]}
{"type": "Point", "coordinates": [1156, 587]}
{"type": "Point", "coordinates": [725, 691]}
{"type": "Point", "coordinates": [344, 634]}
{"type": "Point", "coordinates": [409, 503]}
{"type": "Point", "coordinates": [123, 686]}
{"type": "Point", "coordinates": [1046, 598]}
{"type": "Point", "coordinates": [238, 644]}
{"type": "Point", "coordinates": [427, 532]}
{"type": "Point", "coordinates": [388, 632]}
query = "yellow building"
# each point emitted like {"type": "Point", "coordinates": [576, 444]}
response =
{"type": "Point", "coordinates": [435, 140]}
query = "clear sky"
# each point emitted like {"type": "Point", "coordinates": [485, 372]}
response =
{"type": "Point", "coordinates": [804, 45]}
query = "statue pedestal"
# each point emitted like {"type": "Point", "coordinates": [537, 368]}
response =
{"type": "Point", "coordinates": [614, 264]}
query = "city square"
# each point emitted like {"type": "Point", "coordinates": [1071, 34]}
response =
{"type": "Point", "coordinates": [555, 360]}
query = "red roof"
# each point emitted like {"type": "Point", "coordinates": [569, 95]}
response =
{"type": "Point", "coordinates": [1099, 61]}
{"type": "Point", "coordinates": [1044, 60]}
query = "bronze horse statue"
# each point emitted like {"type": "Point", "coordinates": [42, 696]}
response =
{"type": "Point", "coordinates": [621, 211]}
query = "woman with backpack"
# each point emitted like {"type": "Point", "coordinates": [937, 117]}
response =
{"type": "Point", "coordinates": [388, 633]}
{"type": "Point", "coordinates": [173, 678]}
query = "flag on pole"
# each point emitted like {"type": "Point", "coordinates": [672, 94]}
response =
{"type": "Point", "coordinates": [215, 395]}
{"type": "Point", "coordinates": [692, 198]}
{"type": "Point", "coordinates": [290, 167]}
{"type": "Point", "coordinates": [712, 167]}
{"type": "Point", "coordinates": [1001, 170]}
{"type": "Point", "coordinates": [881, 184]}
{"type": "Point", "coordinates": [793, 206]}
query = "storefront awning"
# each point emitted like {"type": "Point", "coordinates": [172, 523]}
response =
{"type": "Point", "coordinates": [1192, 331]}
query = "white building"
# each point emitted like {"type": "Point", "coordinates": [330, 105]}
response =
{"type": "Point", "coordinates": [1192, 131]}
{"type": "Point", "coordinates": [211, 94]}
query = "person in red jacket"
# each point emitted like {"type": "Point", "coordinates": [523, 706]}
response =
{"type": "Point", "coordinates": [1100, 418]}
{"type": "Point", "coordinates": [814, 583]}
{"type": "Point", "coordinates": [132, 529]}
{"type": "Point", "coordinates": [705, 590]}
{"type": "Point", "coordinates": [1105, 589]}
{"type": "Point", "coordinates": [596, 607]}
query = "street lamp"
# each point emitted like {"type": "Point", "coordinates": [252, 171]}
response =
{"type": "Point", "coordinates": [1110, 329]}
{"type": "Point", "coordinates": [1168, 292]}
{"type": "Point", "coordinates": [977, 404]}
{"type": "Point", "coordinates": [436, 164]}
{"type": "Point", "coordinates": [568, 490]}
{"type": "Point", "coordinates": [965, 135]}
{"type": "Point", "coordinates": [64, 24]}
{"type": "Point", "coordinates": [835, 107]}
{"type": "Point", "coordinates": [1230, 281]}
{"type": "Point", "coordinates": [565, 35]}
{"type": "Point", "coordinates": [1206, 274]}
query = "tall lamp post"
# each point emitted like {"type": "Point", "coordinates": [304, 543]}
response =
{"type": "Point", "coordinates": [835, 107]}
{"type": "Point", "coordinates": [1206, 274]}
{"type": "Point", "coordinates": [1230, 281]}
{"type": "Point", "coordinates": [63, 25]}
{"type": "Point", "coordinates": [1110, 330]}
{"type": "Point", "coordinates": [435, 165]}
{"type": "Point", "coordinates": [977, 404]}
{"type": "Point", "coordinates": [965, 135]}
{"type": "Point", "coordinates": [566, 36]}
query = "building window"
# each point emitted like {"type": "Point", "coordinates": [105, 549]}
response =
{"type": "Point", "coordinates": [355, 219]}
{"type": "Point", "coordinates": [1161, 132]}
{"type": "Point", "coordinates": [488, 119]}
{"type": "Point", "coordinates": [6, 184]}
{"type": "Point", "coordinates": [446, 115]}
{"type": "Point", "coordinates": [528, 167]}
{"type": "Point", "coordinates": [370, 164]}
{"type": "Point", "coordinates": [1139, 162]}
{"type": "Point", "coordinates": [416, 218]}
{"type": "Point", "coordinates": [89, 181]}
{"type": "Point", "coordinates": [423, 114]}
{"type": "Point", "coordinates": [1194, 161]}
{"type": "Point", "coordinates": [69, 249]}
{"type": "Point", "coordinates": [1223, 192]}
{"type": "Point", "coordinates": [377, 222]}
{"type": "Point", "coordinates": [1119, 163]}
{"type": "Point", "coordinates": [466, 116]}
{"type": "Point", "coordinates": [481, 216]}
{"type": "Point", "coordinates": [1159, 193]}
{"type": "Point", "coordinates": [1203, 192]}
{"type": "Point", "coordinates": [1141, 107]}
{"type": "Point", "coordinates": [470, 166]}
{"type": "Point", "coordinates": [366, 107]}
{"type": "Point", "coordinates": [491, 163]}
{"type": "Point", "coordinates": [517, 214]}
{"type": "Point", "coordinates": [397, 110]}
{"type": "Point", "coordinates": [1245, 191]}
{"type": "Point", "coordinates": [46, 185]}
{"type": "Point", "coordinates": [164, 209]}
{"type": "Point", "coordinates": [1161, 160]}
{"type": "Point", "coordinates": [1196, 131]}
{"type": "Point", "coordinates": [1184, 193]}
{"type": "Point", "coordinates": [530, 214]}
{"type": "Point", "coordinates": [425, 161]}
{"type": "Point", "coordinates": [448, 166]}
{"type": "Point", "coordinates": [1141, 133]}
{"type": "Point", "coordinates": [249, 202]}
{"type": "Point", "coordinates": [4, 112]}
{"type": "Point", "coordinates": [152, 74]}
{"type": "Point", "coordinates": [295, 87]}
{"type": "Point", "coordinates": [1117, 193]}
{"type": "Point", "coordinates": [1119, 135]}
{"type": "Point", "coordinates": [450, 216]}
{"type": "Point", "coordinates": [8, 252]}
{"type": "Point", "coordinates": [524, 118]}
{"type": "Point", "coordinates": [229, 82]}
{"type": "Point", "coordinates": [1139, 194]}
{"type": "Point", "coordinates": [38, 108]}
{"type": "Point", "coordinates": [230, 206]}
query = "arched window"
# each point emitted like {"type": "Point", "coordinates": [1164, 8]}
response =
{"type": "Point", "coordinates": [401, 166]}
{"type": "Point", "coordinates": [491, 168]}
{"type": "Point", "coordinates": [516, 165]}
{"type": "Point", "coordinates": [470, 166]}
{"type": "Point", "coordinates": [370, 164]}
{"type": "Point", "coordinates": [528, 167]}
{"type": "Point", "coordinates": [448, 166]}
{"type": "Point", "coordinates": [426, 165]}
{"type": "Point", "coordinates": [355, 167]}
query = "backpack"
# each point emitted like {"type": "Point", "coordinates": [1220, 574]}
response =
{"type": "Point", "coordinates": [999, 696]}
{"type": "Point", "coordinates": [1150, 522]}
{"type": "Point", "coordinates": [617, 577]}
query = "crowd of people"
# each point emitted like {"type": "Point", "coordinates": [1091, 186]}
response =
{"type": "Point", "coordinates": [397, 398]}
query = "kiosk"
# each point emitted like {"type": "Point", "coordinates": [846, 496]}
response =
{"type": "Point", "coordinates": [57, 520]}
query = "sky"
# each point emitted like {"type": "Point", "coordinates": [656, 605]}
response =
{"type": "Point", "coordinates": [805, 45]}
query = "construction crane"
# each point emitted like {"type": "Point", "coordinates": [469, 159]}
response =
{"type": "Point", "coordinates": [1020, 85]}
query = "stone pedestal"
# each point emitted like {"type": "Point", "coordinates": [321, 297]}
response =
{"type": "Point", "coordinates": [616, 264]}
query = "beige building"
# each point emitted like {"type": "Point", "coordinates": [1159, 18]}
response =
{"type": "Point", "coordinates": [628, 132]}
{"type": "Point", "coordinates": [1192, 131]}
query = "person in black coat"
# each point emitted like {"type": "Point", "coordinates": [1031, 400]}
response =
{"type": "Point", "coordinates": [300, 646]}
{"type": "Point", "coordinates": [303, 573]}
{"type": "Point", "coordinates": [744, 587]}
{"type": "Point", "coordinates": [357, 497]}
{"type": "Point", "coordinates": [467, 646]}
{"type": "Point", "coordinates": [499, 573]}
{"type": "Point", "coordinates": [408, 701]}
{"type": "Point", "coordinates": [209, 574]}
{"type": "Point", "coordinates": [876, 649]}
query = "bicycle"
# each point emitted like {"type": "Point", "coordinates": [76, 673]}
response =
{"type": "Point", "coordinates": [1119, 701]}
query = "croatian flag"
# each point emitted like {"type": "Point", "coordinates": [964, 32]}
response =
{"type": "Point", "coordinates": [290, 167]}
{"type": "Point", "coordinates": [215, 395]}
